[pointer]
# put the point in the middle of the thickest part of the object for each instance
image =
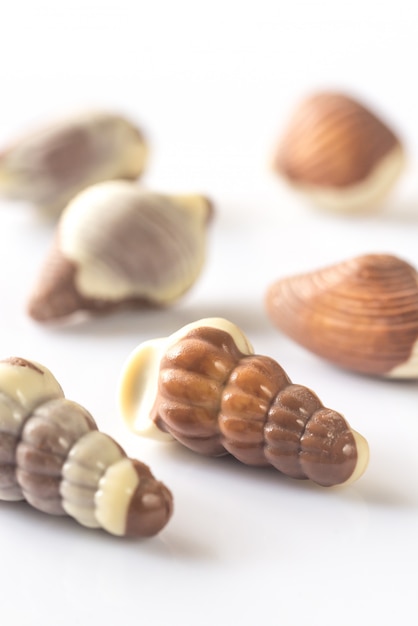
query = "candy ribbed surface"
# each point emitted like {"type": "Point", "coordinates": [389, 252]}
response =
{"type": "Point", "coordinates": [23, 386]}
{"type": "Point", "coordinates": [118, 246]}
{"type": "Point", "coordinates": [86, 463]}
{"type": "Point", "coordinates": [53, 456]}
{"type": "Point", "coordinates": [361, 314]}
{"type": "Point", "coordinates": [332, 141]}
{"type": "Point", "coordinates": [193, 374]}
{"type": "Point", "coordinates": [47, 437]}
{"type": "Point", "coordinates": [216, 400]}
{"type": "Point", "coordinates": [52, 164]}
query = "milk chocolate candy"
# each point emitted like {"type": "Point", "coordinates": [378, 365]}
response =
{"type": "Point", "coordinates": [360, 313]}
{"type": "Point", "coordinates": [204, 387]}
{"type": "Point", "coordinates": [338, 153]}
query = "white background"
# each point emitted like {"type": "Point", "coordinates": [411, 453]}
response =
{"type": "Point", "coordinates": [212, 85]}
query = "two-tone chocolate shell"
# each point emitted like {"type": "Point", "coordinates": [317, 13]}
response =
{"type": "Point", "coordinates": [52, 164]}
{"type": "Point", "coordinates": [204, 387]}
{"type": "Point", "coordinates": [361, 314]}
{"type": "Point", "coordinates": [338, 153]}
{"type": "Point", "coordinates": [118, 246]}
{"type": "Point", "coordinates": [53, 456]}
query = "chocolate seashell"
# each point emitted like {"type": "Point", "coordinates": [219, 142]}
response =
{"type": "Point", "coordinates": [53, 456]}
{"type": "Point", "coordinates": [24, 385]}
{"type": "Point", "coordinates": [361, 314]}
{"type": "Point", "coordinates": [52, 164]}
{"type": "Point", "coordinates": [118, 246]}
{"type": "Point", "coordinates": [204, 387]}
{"type": "Point", "coordinates": [339, 154]}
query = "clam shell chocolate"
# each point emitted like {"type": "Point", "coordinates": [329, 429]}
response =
{"type": "Point", "coordinates": [339, 154]}
{"type": "Point", "coordinates": [204, 387]}
{"type": "Point", "coordinates": [361, 314]}
{"type": "Point", "coordinates": [118, 246]}
{"type": "Point", "coordinates": [53, 456]}
{"type": "Point", "coordinates": [52, 164]}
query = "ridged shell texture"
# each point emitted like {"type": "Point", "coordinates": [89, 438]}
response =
{"type": "Point", "coordinates": [53, 456]}
{"type": "Point", "coordinates": [339, 153]}
{"type": "Point", "coordinates": [118, 246]}
{"type": "Point", "coordinates": [50, 165]}
{"type": "Point", "coordinates": [361, 314]}
{"type": "Point", "coordinates": [215, 400]}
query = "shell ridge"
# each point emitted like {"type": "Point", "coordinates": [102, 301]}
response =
{"type": "Point", "coordinates": [298, 414]}
{"type": "Point", "coordinates": [267, 422]}
{"type": "Point", "coordinates": [207, 344]}
{"type": "Point", "coordinates": [360, 313]}
{"type": "Point", "coordinates": [324, 433]}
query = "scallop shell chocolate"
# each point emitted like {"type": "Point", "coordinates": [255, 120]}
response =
{"type": "Point", "coordinates": [53, 456]}
{"type": "Point", "coordinates": [204, 387]}
{"type": "Point", "coordinates": [339, 154]}
{"type": "Point", "coordinates": [118, 246]}
{"type": "Point", "coordinates": [52, 164]}
{"type": "Point", "coordinates": [360, 314]}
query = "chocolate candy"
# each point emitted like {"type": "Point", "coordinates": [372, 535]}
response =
{"type": "Point", "coordinates": [118, 246]}
{"type": "Point", "coordinates": [204, 387]}
{"type": "Point", "coordinates": [338, 153]}
{"type": "Point", "coordinates": [360, 313]}
{"type": "Point", "coordinates": [52, 164]}
{"type": "Point", "coordinates": [53, 456]}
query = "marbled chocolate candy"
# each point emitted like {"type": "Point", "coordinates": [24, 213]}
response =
{"type": "Point", "coordinates": [118, 246]}
{"type": "Point", "coordinates": [52, 164]}
{"type": "Point", "coordinates": [53, 456]}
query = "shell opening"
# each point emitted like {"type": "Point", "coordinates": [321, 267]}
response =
{"type": "Point", "coordinates": [139, 386]}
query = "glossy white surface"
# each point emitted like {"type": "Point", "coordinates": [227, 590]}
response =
{"type": "Point", "coordinates": [212, 85]}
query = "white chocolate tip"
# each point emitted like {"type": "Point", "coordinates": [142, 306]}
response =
{"type": "Point", "coordinates": [362, 458]}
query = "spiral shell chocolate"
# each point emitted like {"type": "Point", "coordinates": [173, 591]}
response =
{"type": "Point", "coordinates": [204, 387]}
{"type": "Point", "coordinates": [339, 154]}
{"type": "Point", "coordinates": [52, 164]}
{"type": "Point", "coordinates": [118, 246]}
{"type": "Point", "coordinates": [53, 456]}
{"type": "Point", "coordinates": [361, 314]}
